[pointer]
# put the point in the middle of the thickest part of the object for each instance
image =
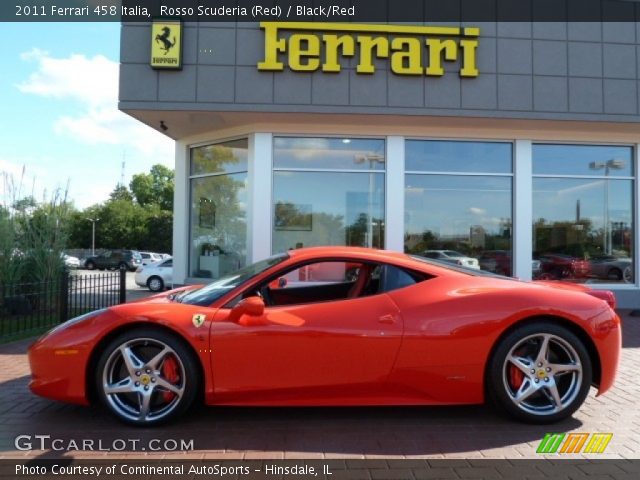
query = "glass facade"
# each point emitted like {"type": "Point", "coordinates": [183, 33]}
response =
{"type": "Point", "coordinates": [458, 204]}
{"type": "Point", "coordinates": [328, 191]}
{"type": "Point", "coordinates": [582, 212]}
{"type": "Point", "coordinates": [458, 198]}
{"type": "Point", "coordinates": [218, 192]}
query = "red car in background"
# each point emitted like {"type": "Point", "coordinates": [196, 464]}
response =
{"type": "Point", "coordinates": [558, 266]}
{"type": "Point", "coordinates": [499, 261]}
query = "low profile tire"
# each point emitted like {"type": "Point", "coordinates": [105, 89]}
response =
{"type": "Point", "coordinates": [146, 377]}
{"type": "Point", "coordinates": [90, 265]}
{"type": "Point", "coordinates": [539, 373]}
{"type": "Point", "coordinates": [155, 284]}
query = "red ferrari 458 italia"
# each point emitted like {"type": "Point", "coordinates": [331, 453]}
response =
{"type": "Point", "coordinates": [338, 326]}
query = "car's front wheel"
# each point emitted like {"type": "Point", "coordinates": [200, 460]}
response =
{"type": "Point", "coordinates": [540, 373]}
{"type": "Point", "coordinates": [146, 377]}
{"type": "Point", "coordinates": [90, 265]}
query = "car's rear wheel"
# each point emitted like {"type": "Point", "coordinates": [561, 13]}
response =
{"type": "Point", "coordinates": [540, 373]}
{"type": "Point", "coordinates": [155, 284]}
{"type": "Point", "coordinates": [146, 377]}
{"type": "Point", "coordinates": [90, 265]}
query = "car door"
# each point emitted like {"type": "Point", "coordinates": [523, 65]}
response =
{"type": "Point", "coordinates": [324, 351]}
{"type": "Point", "coordinates": [166, 271]}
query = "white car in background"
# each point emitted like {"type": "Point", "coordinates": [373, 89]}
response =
{"type": "Point", "coordinates": [451, 256]}
{"type": "Point", "coordinates": [155, 276]}
{"type": "Point", "coordinates": [70, 262]}
{"type": "Point", "coordinates": [150, 257]}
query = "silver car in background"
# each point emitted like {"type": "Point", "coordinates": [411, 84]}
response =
{"type": "Point", "coordinates": [155, 276]}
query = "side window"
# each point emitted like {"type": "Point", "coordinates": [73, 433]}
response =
{"type": "Point", "coordinates": [168, 263]}
{"type": "Point", "coordinates": [393, 278]}
{"type": "Point", "coordinates": [317, 282]}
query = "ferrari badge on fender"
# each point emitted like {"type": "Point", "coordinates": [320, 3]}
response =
{"type": "Point", "coordinates": [198, 319]}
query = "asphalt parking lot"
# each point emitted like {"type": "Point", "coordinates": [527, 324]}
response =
{"type": "Point", "coordinates": [473, 432]}
{"type": "Point", "coordinates": [134, 292]}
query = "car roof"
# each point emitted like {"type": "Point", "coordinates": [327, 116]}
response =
{"type": "Point", "coordinates": [373, 255]}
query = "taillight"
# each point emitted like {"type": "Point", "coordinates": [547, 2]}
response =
{"type": "Point", "coordinates": [606, 295]}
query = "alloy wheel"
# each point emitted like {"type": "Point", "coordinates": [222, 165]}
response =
{"type": "Point", "coordinates": [542, 374]}
{"type": "Point", "coordinates": [143, 380]}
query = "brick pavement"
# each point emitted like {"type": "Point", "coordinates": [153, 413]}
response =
{"type": "Point", "coordinates": [474, 432]}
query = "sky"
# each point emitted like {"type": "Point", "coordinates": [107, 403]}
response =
{"type": "Point", "coordinates": [59, 120]}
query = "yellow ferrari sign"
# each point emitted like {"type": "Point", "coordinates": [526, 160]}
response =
{"type": "Point", "coordinates": [166, 44]}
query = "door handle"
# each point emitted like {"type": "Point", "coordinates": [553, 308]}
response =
{"type": "Point", "coordinates": [387, 319]}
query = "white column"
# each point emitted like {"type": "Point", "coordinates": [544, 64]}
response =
{"type": "Point", "coordinates": [523, 210]}
{"type": "Point", "coordinates": [181, 215]}
{"type": "Point", "coordinates": [394, 201]}
{"type": "Point", "coordinates": [259, 196]}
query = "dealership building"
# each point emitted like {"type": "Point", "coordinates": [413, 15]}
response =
{"type": "Point", "coordinates": [512, 143]}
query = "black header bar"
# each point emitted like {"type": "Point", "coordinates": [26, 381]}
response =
{"type": "Point", "coordinates": [413, 11]}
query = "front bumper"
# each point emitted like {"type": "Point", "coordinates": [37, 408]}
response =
{"type": "Point", "coordinates": [58, 372]}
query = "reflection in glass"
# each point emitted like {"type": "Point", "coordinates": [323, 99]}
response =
{"type": "Point", "coordinates": [329, 153]}
{"type": "Point", "coordinates": [582, 229]}
{"type": "Point", "coordinates": [460, 219]}
{"type": "Point", "coordinates": [595, 160]}
{"type": "Point", "coordinates": [228, 157]}
{"type": "Point", "coordinates": [450, 156]}
{"type": "Point", "coordinates": [327, 208]}
{"type": "Point", "coordinates": [218, 225]}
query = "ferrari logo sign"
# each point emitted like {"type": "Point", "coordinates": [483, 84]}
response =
{"type": "Point", "coordinates": [166, 44]}
{"type": "Point", "coordinates": [198, 319]}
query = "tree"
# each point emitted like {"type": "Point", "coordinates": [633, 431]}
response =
{"type": "Point", "coordinates": [154, 188]}
{"type": "Point", "coordinates": [121, 192]}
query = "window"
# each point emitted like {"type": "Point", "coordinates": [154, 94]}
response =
{"type": "Point", "coordinates": [458, 202]}
{"type": "Point", "coordinates": [582, 213]}
{"type": "Point", "coordinates": [333, 281]}
{"type": "Point", "coordinates": [218, 209]}
{"type": "Point", "coordinates": [168, 263]}
{"type": "Point", "coordinates": [328, 191]}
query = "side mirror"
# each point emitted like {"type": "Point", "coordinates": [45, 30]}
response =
{"type": "Point", "coordinates": [251, 306]}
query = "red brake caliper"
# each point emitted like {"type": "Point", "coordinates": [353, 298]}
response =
{"type": "Point", "coordinates": [516, 377]}
{"type": "Point", "coordinates": [171, 375]}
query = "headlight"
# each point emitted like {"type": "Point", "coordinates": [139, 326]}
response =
{"type": "Point", "coordinates": [75, 320]}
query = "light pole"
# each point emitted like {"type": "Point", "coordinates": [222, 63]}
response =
{"type": "Point", "coordinates": [93, 235]}
{"type": "Point", "coordinates": [613, 164]}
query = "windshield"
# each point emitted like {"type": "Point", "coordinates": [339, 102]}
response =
{"type": "Point", "coordinates": [451, 253]}
{"type": "Point", "coordinates": [210, 293]}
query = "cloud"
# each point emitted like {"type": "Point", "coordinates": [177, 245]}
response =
{"type": "Point", "coordinates": [477, 211]}
{"type": "Point", "coordinates": [93, 83]}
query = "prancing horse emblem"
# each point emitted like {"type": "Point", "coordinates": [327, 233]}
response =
{"type": "Point", "coordinates": [164, 39]}
{"type": "Point", "coordinates": [198, 319]}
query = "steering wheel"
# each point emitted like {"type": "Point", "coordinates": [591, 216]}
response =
{"type": "Point", "coordinates": [265, 294]}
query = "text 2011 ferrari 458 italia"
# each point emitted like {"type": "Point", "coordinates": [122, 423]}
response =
{"type": "Point", "coordinates": [338, 326]}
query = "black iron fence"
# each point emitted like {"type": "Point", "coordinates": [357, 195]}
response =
{"type": "Point", "coordinates": [31, 308]}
